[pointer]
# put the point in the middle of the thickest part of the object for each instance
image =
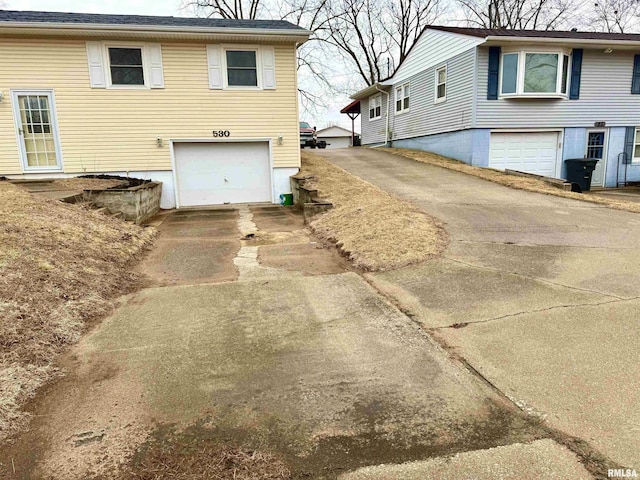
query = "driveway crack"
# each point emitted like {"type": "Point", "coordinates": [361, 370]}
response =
{"type": "Point", "coordinates": [539, 310]}
{"type": "Point", "coordinates": [538, 279]}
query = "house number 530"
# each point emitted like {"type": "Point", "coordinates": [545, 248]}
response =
{"type": "Point", "coordinates": [221, 133]}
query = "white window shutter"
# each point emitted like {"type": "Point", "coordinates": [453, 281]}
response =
{"type": "Point", "coordinates": [214, 59]}
{"type": "Point", "coordinates": [268, 67]}
{"type": "Point", "coordinates": [96, 65]}
{"type": "Point", "coordinates": [156, 75]}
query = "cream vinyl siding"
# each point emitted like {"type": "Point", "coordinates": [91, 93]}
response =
{"type": "Point", "coordinates": [116, 129]}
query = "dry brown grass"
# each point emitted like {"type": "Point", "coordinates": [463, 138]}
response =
{"type": "Point", "coordinates": [195, 459]}
{"type": "Point", "coordinates": [79, 183]}
{"type": "Point", "coordinates": [520, 183]}
{"type": "Point", "coordinates": [60, 265]}
{"type": "Point", "coordinates": [375, 229]}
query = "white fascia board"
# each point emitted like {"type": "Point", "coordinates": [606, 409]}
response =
{"type": "Point", "coordinates": [498, 40]}
{"type": "Point", "coordinates": [371, 90]}
{"type": "Point", "coordinates": [24, 28]}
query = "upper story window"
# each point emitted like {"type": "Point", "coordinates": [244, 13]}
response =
{"type": "Point", "coordinates": [402, 98]}
{"type": "Point", "coordinates": [242, 68]}
{"type": "Point", "coordinates": [441, 84]}
{"type": "Point", "coordinates": [536, 74]}
{"type": "Point", "coordinates": [375, 107]}
{"type": "Point", "coordinates": [125, 66]}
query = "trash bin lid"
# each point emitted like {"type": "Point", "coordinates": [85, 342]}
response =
{"type": "Point", "coordinates": [587, 161]}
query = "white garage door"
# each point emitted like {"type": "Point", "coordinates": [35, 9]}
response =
{"type": "Point", "coordinates": [531, 152]}
{"type": "Point", "coordinates": [337, 142]}
{"type": "Point", "coordinates": [219, 173]}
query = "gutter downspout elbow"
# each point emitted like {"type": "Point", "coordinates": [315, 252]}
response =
{"type": "Point", "coordinates": [386, 132]}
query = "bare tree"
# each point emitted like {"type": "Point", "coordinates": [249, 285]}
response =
{"type": "Point", "coordinates": [237, 9]}
{"type": "Point", "coordinates": [406, 21]}
{"type": "Point", "coordinates": [616, 16]}
{"type": "Point", "coordinates": [518, 14]}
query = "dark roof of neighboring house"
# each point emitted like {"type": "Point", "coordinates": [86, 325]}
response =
{"type": "Point", "coordinates": [353, 107]}
{"type": "Point", "coordinates": [503, 32]}
{"type": "Point", "coordinates": [141, 20]}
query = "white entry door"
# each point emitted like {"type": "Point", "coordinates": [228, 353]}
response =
{"type": "Point", "coordinates": [211, 173]}
{"type": "Point", "coordinates": [38, 141]}
{"type": "Point", "coordinates": [597, 148]}
{"type": "Point", "coordinates": [531, 152]}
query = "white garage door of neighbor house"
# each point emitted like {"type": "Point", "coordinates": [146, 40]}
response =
{"type": "Point", "coordinates": [220, 173]}
{"type": "Point", "coordinates": [337, 142]}
{"type": "Point", "coordinates": [531, 152]}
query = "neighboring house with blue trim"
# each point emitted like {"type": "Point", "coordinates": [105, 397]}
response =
{"type": "Point", "coordinates": [519, 99]}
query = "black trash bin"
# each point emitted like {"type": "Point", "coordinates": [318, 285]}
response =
{"type": "Point", "coordinates": [580, 170]}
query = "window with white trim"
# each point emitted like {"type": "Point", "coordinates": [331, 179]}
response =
{"type": "Point", "coordinates": [126, 66]}
{"type": "Point", "coordinates": [636, 147]}
{"type": "Point", "coordinates": [441, 84]}
{"type": "Point", "coordinates": [402, 98]}
{"type": "Point", "coordinates": [534, 73]}
{"type": "Point", "coordinates": [242, 67]}
{"type": "Point", "coordinates": [375, 107]}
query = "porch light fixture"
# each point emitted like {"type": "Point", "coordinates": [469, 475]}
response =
{"type": "Point", "coordinates": [280, 140]}
{"type": "Point", "coordinates": [0, 96]}
{"type": "Point", "coordinates": [159, 142]}
{"type": "Point", "coordinates": [608, 50]}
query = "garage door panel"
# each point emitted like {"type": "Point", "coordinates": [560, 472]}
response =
{"type": "Point", "coordinates": [220, 173]}
{"type": "Point", "coordinates": [532, 152]}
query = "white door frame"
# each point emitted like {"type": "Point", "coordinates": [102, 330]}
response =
{"type": "Point", "coordinates": [173, 141]}
{"type": "Point", "coordinates": [605, 144]}
{"type": "Point", "coordinates": [54, 126]}
{"type": "Point", "coordinates": [559, 142]}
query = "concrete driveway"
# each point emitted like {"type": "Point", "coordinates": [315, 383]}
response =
{"type": "Point", "coordinates": [252, 333]}
{"type": "Point", "coordinates": [539, 294]}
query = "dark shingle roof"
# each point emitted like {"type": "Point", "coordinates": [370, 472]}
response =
{"type": "Point", "coordinates": [497, 32]}
{"type": "Point", "coordinates": [141, 20]}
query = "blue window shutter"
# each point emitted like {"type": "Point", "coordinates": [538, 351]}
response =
{"type": "Point", "coordinates": [576, 72]}
{"type": "Point", "coordinates": [494, 71]}
{"type": "Point", "coordinates": [635, 81]}
{"type": "Point", "coordinates": [628, 144]}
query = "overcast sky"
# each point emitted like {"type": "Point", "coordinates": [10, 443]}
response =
{"type": "Point", "coordinates": [158, 7]}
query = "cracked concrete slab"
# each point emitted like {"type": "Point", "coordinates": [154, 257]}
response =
{"type": "Point", "coordinates": [324, 372]}
{"type": "Point", "coordinates": [445, 292]}
{"type": "Point", "coordinates": [542, 459]}
{"type": "Point", "coordinates": [608, 271]}
{"type": "Point", "coordinates": [516, 252]}
{"type": "Point", "coordinates": [577, 366]}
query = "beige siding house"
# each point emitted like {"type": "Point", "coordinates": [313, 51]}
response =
{"type": "Point", "coordinates": [207, 106]}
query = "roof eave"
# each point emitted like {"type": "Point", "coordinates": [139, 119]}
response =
{"type": "Point", "coordinates": [90, 29]}
{"type": "Point", "coordinates": [586, 42]}
{"type": "Point", "coordinates": [370, 90]}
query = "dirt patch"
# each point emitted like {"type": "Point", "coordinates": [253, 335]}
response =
{"type": "Point", "coordinates": [60, 266]}
{"type": "Point", "coordinates": [80, 183]}
{"type": "Point", "coordinates": [520, 183]}
{"type": "Point", "coordinates": [374, 229]}
{"type": "Point", "coordinates": [194, 455]}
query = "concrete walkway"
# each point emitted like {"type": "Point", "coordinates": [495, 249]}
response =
{"type": "Point", "coordinates": [538, 293]}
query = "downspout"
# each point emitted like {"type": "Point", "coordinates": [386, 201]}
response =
{"type": "Point", "coordinates": [386, 134]}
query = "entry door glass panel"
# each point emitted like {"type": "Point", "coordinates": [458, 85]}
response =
{"type": "Point", "coordinates": [37, 131]}
{"type": "Point", "coordinates": [595, 145]}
